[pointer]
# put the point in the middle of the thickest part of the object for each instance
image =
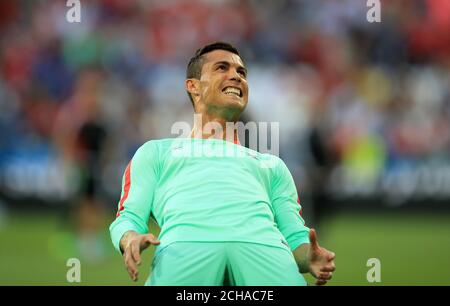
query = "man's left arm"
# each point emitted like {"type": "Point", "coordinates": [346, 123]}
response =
{"type": "Point", "coordinates": [310, 257]}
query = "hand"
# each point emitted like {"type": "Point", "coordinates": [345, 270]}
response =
{"type": "Point", "coordinates": [321, 261]}
{"type": "Point", "coordinates": [132, 245]}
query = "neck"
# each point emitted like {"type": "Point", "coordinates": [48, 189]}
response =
{"type": "Point", "coordinates": [208, 126]}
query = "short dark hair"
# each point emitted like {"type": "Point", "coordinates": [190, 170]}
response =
{"type": "Point", "coordinates": [195, 65]}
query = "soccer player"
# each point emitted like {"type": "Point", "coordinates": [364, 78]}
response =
{"type": "Point", "coordinates": [221, 216]}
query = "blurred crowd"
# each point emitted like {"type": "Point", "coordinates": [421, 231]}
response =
{"type": "Point", "coordinates": [364, 108]}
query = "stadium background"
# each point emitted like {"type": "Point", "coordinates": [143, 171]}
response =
{"type": "Point", "coordinates": [364, 112]}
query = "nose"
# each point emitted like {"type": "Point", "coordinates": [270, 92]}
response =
{"type": "Point", "coordinates": [235, 76]}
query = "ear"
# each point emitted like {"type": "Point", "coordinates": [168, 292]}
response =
{"type": "Point", "coordinates": [192, 86]}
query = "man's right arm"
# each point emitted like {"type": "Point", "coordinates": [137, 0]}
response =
{"type": "Point", "coordinates": [135, 205]}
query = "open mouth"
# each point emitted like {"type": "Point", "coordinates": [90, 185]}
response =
{"type": "Point", "coordinates": [230, 90]}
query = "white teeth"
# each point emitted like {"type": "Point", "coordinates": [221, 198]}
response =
{"type": "Point", "coordinates": [232, 90]}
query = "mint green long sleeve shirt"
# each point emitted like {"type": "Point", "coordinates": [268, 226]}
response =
{"type": "Point", "coordinates": [209, 190]}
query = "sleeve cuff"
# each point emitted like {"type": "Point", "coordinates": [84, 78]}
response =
{"type": "Point", "coordinates": [298, 241]}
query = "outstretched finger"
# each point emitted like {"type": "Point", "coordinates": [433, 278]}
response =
{"type": "Point", "coordinates": [130, 265]}
{"type": "Point", "coordinates": [133, 274]}
{"type": "Point", "coordinates": [329, 268]}
{"type": "Point", "coordinates": [135, 253]}
{"type": "Point", "coordinates": [313, 239]}
{"type": "Point", "coordinates": [326, 275]}
{"type": "Point", "coordinates": [331, 256]}
{"type": "Point", "coordinates": [151, 239]}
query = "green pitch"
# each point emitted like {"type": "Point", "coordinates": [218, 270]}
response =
{"type": "Point", "coordinates": [413, 250]}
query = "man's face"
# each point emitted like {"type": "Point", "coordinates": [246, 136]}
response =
{"type": "Point", "coordinates": [223, 82]}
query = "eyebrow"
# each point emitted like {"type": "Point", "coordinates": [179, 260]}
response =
{"type": "Point", "coordinates": [228, 64]}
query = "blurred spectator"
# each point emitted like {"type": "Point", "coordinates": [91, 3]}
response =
{"type": "Point", "coordinates": [371, 101]}
{"type": "Point", "coordinates": [80, 137]}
